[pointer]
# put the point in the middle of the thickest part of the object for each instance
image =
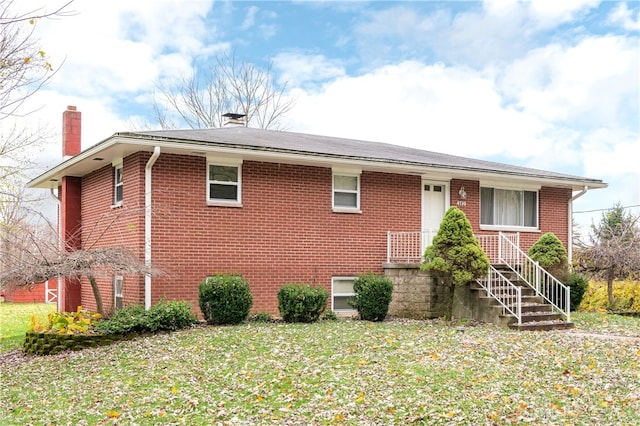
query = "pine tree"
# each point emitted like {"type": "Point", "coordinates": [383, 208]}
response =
{"type": "Point", "coordinates": [455, 255]}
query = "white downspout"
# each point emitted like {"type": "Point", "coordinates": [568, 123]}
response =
{"type": "Point", "coordinates": [58, 206]}
{"type": "Point", "coordinates": [147, 224]}
{"type": "Point", "coordinates": [570, 242]}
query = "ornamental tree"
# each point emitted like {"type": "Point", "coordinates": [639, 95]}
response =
{"type": "Point", "coordinates": [613, 250]}
{"type": "Point", "coordinates": [455, 255]}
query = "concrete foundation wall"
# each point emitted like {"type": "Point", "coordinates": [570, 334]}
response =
{"type": "Point", "coordinates": [416, 294]}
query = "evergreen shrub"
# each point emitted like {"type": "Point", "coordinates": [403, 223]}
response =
{"type": "Point", "coordinates": [301, 302]}
{"type": "Point", "coordinates": [164, 316]}
{"type": "Point", "coordinates": [169, 316]}
{"type": "Point", "coordinates": [225, 299]}
{"type": "Point", "coordinates": [125, 321]}
{"type": "Point", "coordinates": [578, 285]}
{"type": "Point", "coordinates": [549, 252]}
{"type": "Point", "coordinates": [372, 296]}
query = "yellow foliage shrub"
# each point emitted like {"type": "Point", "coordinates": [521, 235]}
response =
{"type": "Point", "coordinates": [80, 321]}
{"type": "Point", "coordinates": [626, 295]}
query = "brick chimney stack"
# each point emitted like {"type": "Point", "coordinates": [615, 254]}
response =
{"type": "Point", "coordinates": [71, 132]}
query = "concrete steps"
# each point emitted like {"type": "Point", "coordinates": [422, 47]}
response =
{"type": "Point", "coordinates": [537, 315]}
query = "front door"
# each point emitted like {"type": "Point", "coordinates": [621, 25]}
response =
{"type": "Point", "coordinates": [435, 198]}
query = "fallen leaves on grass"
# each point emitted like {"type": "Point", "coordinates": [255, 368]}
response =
{"type": "Point", "coordinates": [345, 372]}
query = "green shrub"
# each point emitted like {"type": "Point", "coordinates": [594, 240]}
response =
{"type": "Point", "coordinates": [626, 295]}
{"type": "Point", "coordinates": [549, 252]}
{"type": "Point", "coordinates": [169, 316]}
{"type": "Point", "coordinates": [127, 320]}
{"type": "Point", "coordinates": [372, 296]}
{"type": "Point", "coordinates": [329, 316]}
{"type": "Point", "coordinates": [577, 286]}
{"type": "Point", "coordinates": [261, 317]}
{"type": "Point", "coordinates": [225, 299]}
{"type": "Point", "coordinates": [301, 303]}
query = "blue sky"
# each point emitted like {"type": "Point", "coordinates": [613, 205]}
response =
{"type": "Point", "coordinates": [547, 84]}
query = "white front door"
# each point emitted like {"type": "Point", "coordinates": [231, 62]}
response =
{"type": "Point", "coordinates": [435, 199]}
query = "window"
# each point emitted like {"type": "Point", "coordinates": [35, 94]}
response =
{"type": "Point", "coordinates": [224, 183]}
{"type": "Point", "coordinates": [118, 299]}
{"type": "Point", "coordinates": [341, 293]}
{"type": "Point", "coordinates": [346, 192]}
{"type": "Point", "coordinates": [508, 207]}
{"type": "Point", "coordinates": [117, 180]}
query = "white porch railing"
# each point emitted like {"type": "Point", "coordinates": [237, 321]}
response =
{"type": "Point", "coordinates": [504, 291]}
{"type": "Point", "coordinates": [497, 250]}
{"type": "Point", "coordinates": [504, 249]}
{"type": "Point", "coordinates": [408, 247]}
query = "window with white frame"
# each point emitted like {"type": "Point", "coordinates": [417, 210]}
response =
{"type": "Point", "coordinates": [117, 184]}
{"type": "Point", "coordinates": [508, 207]}
{"type": "Point", "coordinates": [224, 183]}
{"type": "Point", "coordinates": [341, 293]}
{"type": "Point", "coordinates": [118, 299]}
{"type": "Point", "coordinates": [346, 191]}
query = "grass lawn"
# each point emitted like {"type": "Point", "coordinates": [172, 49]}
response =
{"type": "Point", "coordinates": [335, 373]}
{"type": "Point", "coordinates": [15, 319]}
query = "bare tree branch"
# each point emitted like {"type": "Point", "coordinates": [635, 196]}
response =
{"type": "Point", "coordinates": [613, 250]}
{"type": "Point", "coordinates": [199, 100]}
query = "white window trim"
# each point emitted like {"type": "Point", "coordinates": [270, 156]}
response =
{"type": "Point", "coordinates": [116, 279]}
{"type": "Point", "coordinates": [117, 166]}
{"type": "Point", "coordinates": [509, 185]}
{"type": "Point", "coordinates": [333, 294]}
{"type": "Point", "coordinates": [233, 162]}
{"type": "Point", "coordinates": [511, 228]}
{"type": "Point", "coordinates": [349, 173]}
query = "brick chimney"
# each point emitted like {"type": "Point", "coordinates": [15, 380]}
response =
{"type": "Point", "coordinates": [71, 132]}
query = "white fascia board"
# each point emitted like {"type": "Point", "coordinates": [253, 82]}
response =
{"type": "Point", "coordinates": [130, 145]}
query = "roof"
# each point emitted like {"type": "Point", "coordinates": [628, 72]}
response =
{"type": "Point", "coordinates": [299, 148]}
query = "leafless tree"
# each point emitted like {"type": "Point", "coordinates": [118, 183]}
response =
{"type": "Point", "coordinates": [30, 258]}
{"type": "Point", "coordinates": [24, 69]}
{"type": "Point", "coordinates": [613, 249]}
{"type": "Point", "coordinates": [24, 66]}
{"type": "Point", "coordinates": [230, 85]}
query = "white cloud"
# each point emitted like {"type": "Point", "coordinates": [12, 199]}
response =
{"type": "Point", "coordinates": [432, 107]}
{"type": "Point", "coordinates": [250, 18]}
{"type": "Point", "coordinates": [623, 17]}
{"type": "Point", "coordinates": [298, 69]}
{"type": "Point", "coordinates": [594, 82]}
{"type": "Point", "coordinates": [611, 151]}
{"type": "Point", "coordinates": [550, 13]}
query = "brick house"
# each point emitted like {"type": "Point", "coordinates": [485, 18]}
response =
{"type": "Point", "coordinates": [279, 207]}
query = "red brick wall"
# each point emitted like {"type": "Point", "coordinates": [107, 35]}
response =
{"type": "Point", "coordinates": [284, 232]}
{"type": "Point", "coordinates": [106, 226]}
{"type": "Point", "coordinates": [552, 211]}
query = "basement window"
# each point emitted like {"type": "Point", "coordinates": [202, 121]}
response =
{"type": "Point", "coordinates": [341, 293]}
{"type": "Point", "coordinates": [118, 299]}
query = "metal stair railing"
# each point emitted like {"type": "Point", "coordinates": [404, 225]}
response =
{"type": "Point", "coordinates": [545, 285]}
{"type": "Point", "coordinates": [504, 291]}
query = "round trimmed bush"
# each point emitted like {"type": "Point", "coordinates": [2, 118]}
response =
{"type": "Point", "coordinates": [301, 302]}
{"type": "Point", "coordinates": [225, 299]}
{"type": "Point", "coordinates": [372, 296]}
